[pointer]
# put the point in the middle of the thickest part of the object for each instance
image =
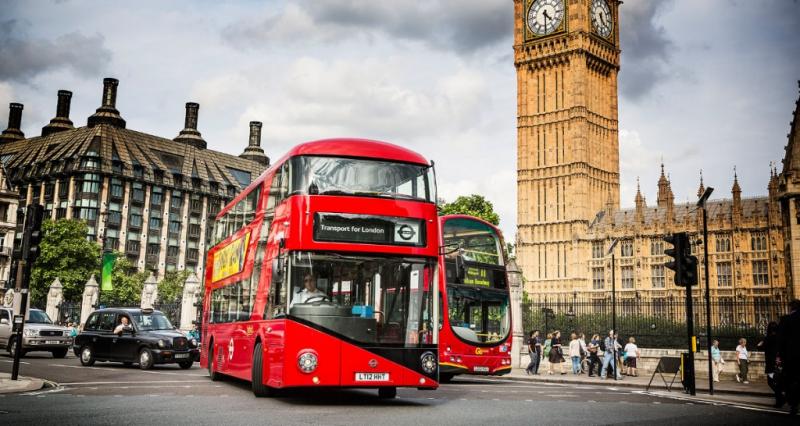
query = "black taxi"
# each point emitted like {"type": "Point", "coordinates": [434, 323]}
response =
{"type": "Point", "coordinates": [133, 335]}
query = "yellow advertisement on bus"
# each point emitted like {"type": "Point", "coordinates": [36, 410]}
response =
{"type": "Point", "coordinates": [229, 260]}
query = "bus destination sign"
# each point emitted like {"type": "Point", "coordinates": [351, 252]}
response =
{"type": "Point", "coordinates": [352, 228]}
{"type": "Point", "coordinates": [477, 276]}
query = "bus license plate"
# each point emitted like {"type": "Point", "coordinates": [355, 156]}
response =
{"type": "Point", "coordinates": [481, 369]}
{"type": "Point", "coordinates": [181, 355]}
{"type": "Point", "coordinates": [372, 377]}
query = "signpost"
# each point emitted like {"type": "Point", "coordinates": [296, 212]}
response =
{"type": "Point", "coordinates": [29, 251]}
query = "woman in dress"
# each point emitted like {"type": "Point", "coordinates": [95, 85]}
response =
{"type": "Point", "coordinates": [556, 353]}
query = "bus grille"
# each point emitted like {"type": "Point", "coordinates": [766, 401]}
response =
{"type": "Point", "coordinates": [49, 333]}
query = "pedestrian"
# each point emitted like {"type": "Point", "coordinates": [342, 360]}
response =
{"type": "Point", "coordinates": [73, 329]}
{"type": "Point", "coordinates": [593, 348]}
{"type": "Point", "coordinates": [556, 353]}
{"type": "Point", "coordinates": [632, 354]}
{"type": "Point", "coordinates": [611, 347]}
{"type": "Point", "coordinates": [742, 358]}
{"type": "Point", "coordinates": [535, 352]}
{"type": "Point", "coordinates": [584, 351]}
{"type": "Point", "coordinates": [716, 358]}
{"type": "Point", "coordinates": [548, 346]}
{"type": "Point", "coordinates": [575, 353]}
{"type": "Point", "coordinates": [789, 354]}
{"type": "Point", "coordinates": [770, 347]}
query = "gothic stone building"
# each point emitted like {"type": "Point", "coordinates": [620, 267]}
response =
{"type": "Point", "coordinates": [151, 198]}
{"type": "Point", "coordinates": [568, 178]}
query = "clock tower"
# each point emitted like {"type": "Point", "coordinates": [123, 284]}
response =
{"type": "Point", "coordinates": [566, 53]}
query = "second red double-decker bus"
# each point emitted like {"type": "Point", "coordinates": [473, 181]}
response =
{"type": "Point", "coordinates": [475, 333]}
{"type": "Point", "coordinates": [324, 272]}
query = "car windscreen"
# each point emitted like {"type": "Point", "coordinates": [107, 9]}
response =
{"type": "Point", "coordinates": [39, 317]}
{"type": "Point", "coordinates": [150, 322]}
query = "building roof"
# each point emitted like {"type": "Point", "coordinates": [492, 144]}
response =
{"type": "Point", "coordinates": [753, 207]}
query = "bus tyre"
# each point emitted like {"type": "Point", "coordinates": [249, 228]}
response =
{"type": "Point", "coordinates": [387, 393]}
{"type": "Point", "coordinates": [186, 364]}
{"type": "Point", "coordinates": [59, 353]}
{"type": "Point", "coordinates": [257, 380]}
{"type": "Point", "coordinates": [87, 356]}
{"type": "Point", "coordinates": [445, 377]}
{"type": "Point", "coordinates": [145, 359]}
{"type": "Point", "coordinates": [212, 371]}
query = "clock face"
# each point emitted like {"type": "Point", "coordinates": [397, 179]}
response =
{"type": "Point", "coordinates": [601, 18]}
{"type": "Point", "coordinates": [545, 16]}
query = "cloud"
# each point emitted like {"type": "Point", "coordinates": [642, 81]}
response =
{"type": "Point", "coordinates": [24, 58]}
{"type": "Point", "coordinates": [646, 48]}
{"type": "Point", "coordinates": [451, 25]}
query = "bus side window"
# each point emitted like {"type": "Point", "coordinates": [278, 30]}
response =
{"type": "Point", "coordinates": [276, 300]}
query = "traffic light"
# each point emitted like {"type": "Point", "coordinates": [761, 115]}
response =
{"type": "Point", "coordinates": [32, 234]}
{"type": "Point", "coordinates": [683, 264]}
{"type": "Point", "coordinates": [17, 253]}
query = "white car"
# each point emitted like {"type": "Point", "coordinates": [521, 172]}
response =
{"type": "Point", "coordinates": [39, 334]}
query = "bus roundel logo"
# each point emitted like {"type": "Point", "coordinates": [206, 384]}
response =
{"type": "Point", "coordinates": [406, 232]}
{"type": "Point", "coordinates": [373, 363]}
{"type": "Point", "coordinates": [478, 351]}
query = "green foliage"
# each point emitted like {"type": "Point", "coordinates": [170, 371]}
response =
{"type": "Point", "coordinates": [66, 254]}
{"type": "Point", "coordinates": [128, 283]}
{"type": "Point", "coordinates": [170, 289]}
{"type": "Point", "coordinates": [473, 205]}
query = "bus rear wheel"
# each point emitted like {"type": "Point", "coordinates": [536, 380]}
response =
{"type": "Point", "coordinates": [257, 379]}
{"type": "Point", "coordinates": [212, 372]}
{"type": "Point", "coordinates": [387, 393]}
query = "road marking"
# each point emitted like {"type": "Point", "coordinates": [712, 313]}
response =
{"type": "Point", "coordinates": [54, 390]}
{"type": "Point", "coordinates": [711, 402]}
{"type": "Point", "coordinates": [133, 383]}
{"type": "Point", "coordinates": [12, 361]}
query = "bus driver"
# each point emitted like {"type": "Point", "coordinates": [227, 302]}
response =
{"type": "Point", "coordinates": [308, 292]}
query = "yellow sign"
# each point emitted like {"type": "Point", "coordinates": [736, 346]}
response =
{"type": "Point", "coordinates": [478, 351]}
{"type": "Point", "coordinates": [229, 260]}
{"type": "Point", "coordinates": [477, 276]}
{"type": "Point", "coordinates": [694, 343]}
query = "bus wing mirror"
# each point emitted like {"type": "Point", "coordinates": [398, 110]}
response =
{"type": "Point", "coordinates": [277, 270]}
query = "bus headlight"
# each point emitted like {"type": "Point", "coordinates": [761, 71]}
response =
{"type": "Point", "coordinates": [428, 362]}
{"type": "Point", "coordinates": [504, 348]}
{"type": "Point", "coordinates": [307, 362]}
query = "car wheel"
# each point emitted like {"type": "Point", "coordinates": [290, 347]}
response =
{"type": "Point", "coordinates": [87, 356]}
{"type": "Point", "coordinates": [12, 348]}
{"type": "Point", "coordinates": [186, 364]}
{"type": "Point", "coordinates": [387, 393]}
{"type": "Point", "coordinates": [212, 370]}
{"type": "Point", "coordinates": [59, 353]}
{"type": "Point", "coordinates": [145, 359]}
{"type": "Point", "coordinates": [257, 380]}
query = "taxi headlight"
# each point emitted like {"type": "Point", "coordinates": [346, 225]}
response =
{"type": "Point", "coordinates": [428, 362]}
{"type": "Point", "coordinates": [30, 332]}
{"type": "Point", "coordinates": [193, 343]}
{"type": "Point", "coordinates": [307, 362]}
{"type": "Point", "coordinates": [162, 344]}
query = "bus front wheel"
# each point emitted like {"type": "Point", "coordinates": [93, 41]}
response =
{"type": "Point", "coordinates": [387, 393]}
{"type": "Point", "coordinates": [257, 380]}
{"type": "Point", "coordinates": [212, 371]}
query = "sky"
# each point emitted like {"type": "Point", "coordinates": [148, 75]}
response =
{"type": "Point", "coordinates": [704, 85]}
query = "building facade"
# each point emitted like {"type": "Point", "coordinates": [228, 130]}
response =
{"type": "Point", "coordinates": [567, 59]}
{"type": "Point", "coordinates": [8, 225]}
{"type": "Point", "coordinates": [151, 198]}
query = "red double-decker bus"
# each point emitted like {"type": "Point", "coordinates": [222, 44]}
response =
{"type": "Point", "coordinates": [324, 272]}
{"type": "Point", "coordinates": [475, 327]}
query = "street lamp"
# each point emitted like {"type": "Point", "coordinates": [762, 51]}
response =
{"type": "Point", "coordinates": [702, 204]}
{"type": "Point", "coordinates": [614, 303]}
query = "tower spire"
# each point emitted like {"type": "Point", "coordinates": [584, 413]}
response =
{"type": "Point", "coordinates": [702, 187]}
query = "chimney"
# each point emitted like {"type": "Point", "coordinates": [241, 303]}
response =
{"type": "Point", "coordinates": [254, 152]}
{"type": "Point", "coordinates": [190, 135]}
{"type": "Point", "coordinates": [107, 113]}
{"type": "Point", "coordinates": [61, 121]}
{"type": "Point", "coordinates": [13, 132]}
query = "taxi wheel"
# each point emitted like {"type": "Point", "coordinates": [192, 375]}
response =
{"type": "Point", "coordinates": [212, 371]}
{"type": "Point", "coordinates": [87, 356]}
{"type": "Point", "coordinates": [257, 379]}
{"type": "Point", "coordinates": [387, 393]}
{"type": "Point", "coordinates": [186, 364]}
{"type": "Point", "coordinates": [59, 353]}
{"type": "Point", "coordinates": [145, 359]}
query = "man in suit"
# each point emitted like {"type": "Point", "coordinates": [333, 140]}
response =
{"type": "Point", "coordinates": [789, 354]}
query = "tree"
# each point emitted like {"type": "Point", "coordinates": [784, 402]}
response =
{"type": "Point", "coordinates": [473, 205]}
{"type": "Point", "coordinates": [170, 289]}
{"type": "Point", "coordinates": [127, 282]}
{"type": "Point", "coordinates": [66, 253]}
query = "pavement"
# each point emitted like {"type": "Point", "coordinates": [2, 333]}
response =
{"type": "Point", "coordinates": [22, 384]}
{"type": "Point", "coordinates": [723, 387]}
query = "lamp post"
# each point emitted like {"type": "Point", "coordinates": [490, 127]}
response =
{"type": "Point", "coordinates": [702, 204]}
{"type": "Point", "coordinates": [614, 304]}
